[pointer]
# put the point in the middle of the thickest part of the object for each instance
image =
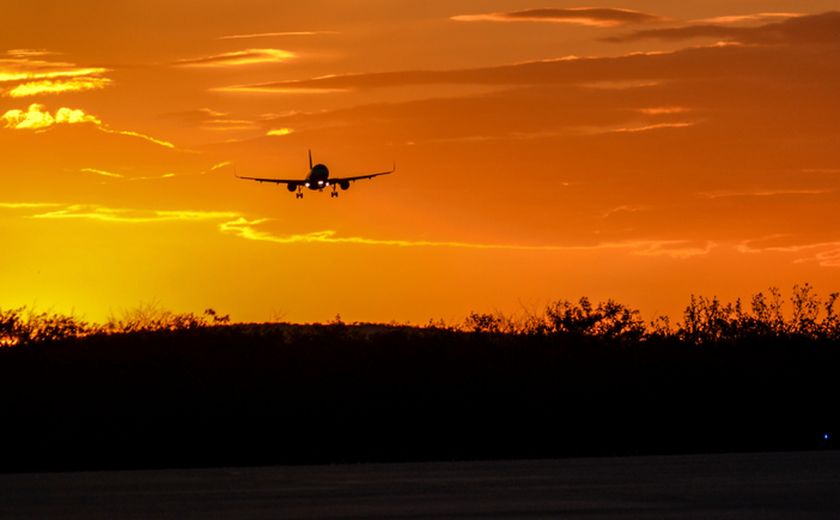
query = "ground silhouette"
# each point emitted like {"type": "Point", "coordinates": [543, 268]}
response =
{"type": "Point", "coordinates": [576, 380]}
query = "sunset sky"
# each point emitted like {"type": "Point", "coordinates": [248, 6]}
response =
{"type": "Point", "coordinates": [642, 151]}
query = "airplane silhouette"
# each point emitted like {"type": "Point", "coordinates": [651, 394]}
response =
{"type": "Point", "coordinates": [317, 180]}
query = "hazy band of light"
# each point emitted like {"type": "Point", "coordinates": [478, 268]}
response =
{"type": "Point", "coordinates": [243, 229]}
{"type": "Point", "coordinates": [266, 35]}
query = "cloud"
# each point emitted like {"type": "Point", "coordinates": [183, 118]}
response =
{"type": "Point", "coordinates": [761, 193]}
{"type": "Point", "coordinates": [246, 57]}
{"type": "Point", "coordinates": [36, 118]}
{"type": "Point", "coordinates": [100, 172]}
{"type": "Point", "coordinates": [20, 66]}
{"type": "Point", "coordinates": [27, 205]}
{"type": "Point", "coordinates": [675, 249]}
{"type": "Point", "coordinates": [748, 18]}
{"type": "Point", "coordinates": [28, 53]}
{"type": "Point", "coordinates": [57, 87]}
{"type": "Point", "coordinates": [784, 63]}
{"type": "Point", "coordinates": [211, 120]}
{"type": "Point", "coordinates": [100, 213]}
{"type": "Point", "coordinates": [809, 29]}
{"type": "Point", "coordinates": [592, 16]}
{"type": "Point", "coordinates": [246, 229]}
{"type": "Point", "coordinates": [645, 128]}
{"type": "Point", "coordinates": [825, 254]}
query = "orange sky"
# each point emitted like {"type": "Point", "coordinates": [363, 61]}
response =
{"type": "Point", "coordinates": [642, 151]}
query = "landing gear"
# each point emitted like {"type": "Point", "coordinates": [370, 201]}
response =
{"type": "Point", "coordinates": [298, 195]}
{"type": "Point", "coordinates": [333, 193]}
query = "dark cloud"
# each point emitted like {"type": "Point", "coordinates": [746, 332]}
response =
{"type": "Point", "coordinates": [819, 28]}
{"type": "Point", "coordinates": [785, 64]}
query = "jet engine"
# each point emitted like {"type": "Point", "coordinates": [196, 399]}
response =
{"type": "Point", "coordinates": [345, 185]}
{"type": "Point", "coordinates": [291, 186]}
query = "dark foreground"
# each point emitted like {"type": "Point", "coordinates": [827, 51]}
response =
{"type": "Point", "coordinates": [270, 395]}
{"type": "Point", "coordinates": [776, 485]}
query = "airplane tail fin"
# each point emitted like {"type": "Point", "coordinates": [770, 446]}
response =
{"type": "Point", "coordinates": [310, 159]}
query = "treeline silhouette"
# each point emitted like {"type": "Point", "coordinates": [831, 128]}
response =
{"type": "Point", "coordinates": [157, 389]}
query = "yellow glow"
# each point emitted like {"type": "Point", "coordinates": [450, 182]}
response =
{"type": "Point", "coordinates": [280, 131]}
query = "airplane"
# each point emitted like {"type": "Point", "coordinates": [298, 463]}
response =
{"type": "Point", "coordinates": [317, 180]}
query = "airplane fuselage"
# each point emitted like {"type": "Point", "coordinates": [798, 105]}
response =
{"type": "Point", "coordinates": [318, 178]}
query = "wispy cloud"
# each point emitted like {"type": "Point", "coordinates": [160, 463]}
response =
{"type": "Point", "coordinates": [38, 118]}
{"type": "Point", "coordinates": [23, 65]}
{"type": "Point", "coordinates": [246, 57]}
{"type": "Point", "coordinates": [806, 29]}
{"type": "Point", "coordinates": [761, 193]}
{"type": "Point", "coordinates": [141, 136]}
{"type": "Point", "coordinates": [592, 16]}
{"type": "Point", "coordinates": [27, 205]}
{"type": "Point", "coordinates": [825, 254]}
{"type": "Point", "coordinates": [760, 17]}
{"type": "Point", "coordinates": [646, 128]}
{"type": "Point", "coordinates": [674, 249]}
{"type": "Point", "coordinates": [57, 87]}
{"type": "Point", "coordinates": [101, 172]}
{"type": "Point", "coordinates": [246, 229]}
{"type": "Point", "coordinates": [211, 120]}
{"type": "Point", "coordinates": [93, 212]}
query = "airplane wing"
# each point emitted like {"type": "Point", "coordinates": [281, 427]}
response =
{"type": "Point", "coordinates": [276, 181]}
{"type": "Point", "coordinates": [359, 177]}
